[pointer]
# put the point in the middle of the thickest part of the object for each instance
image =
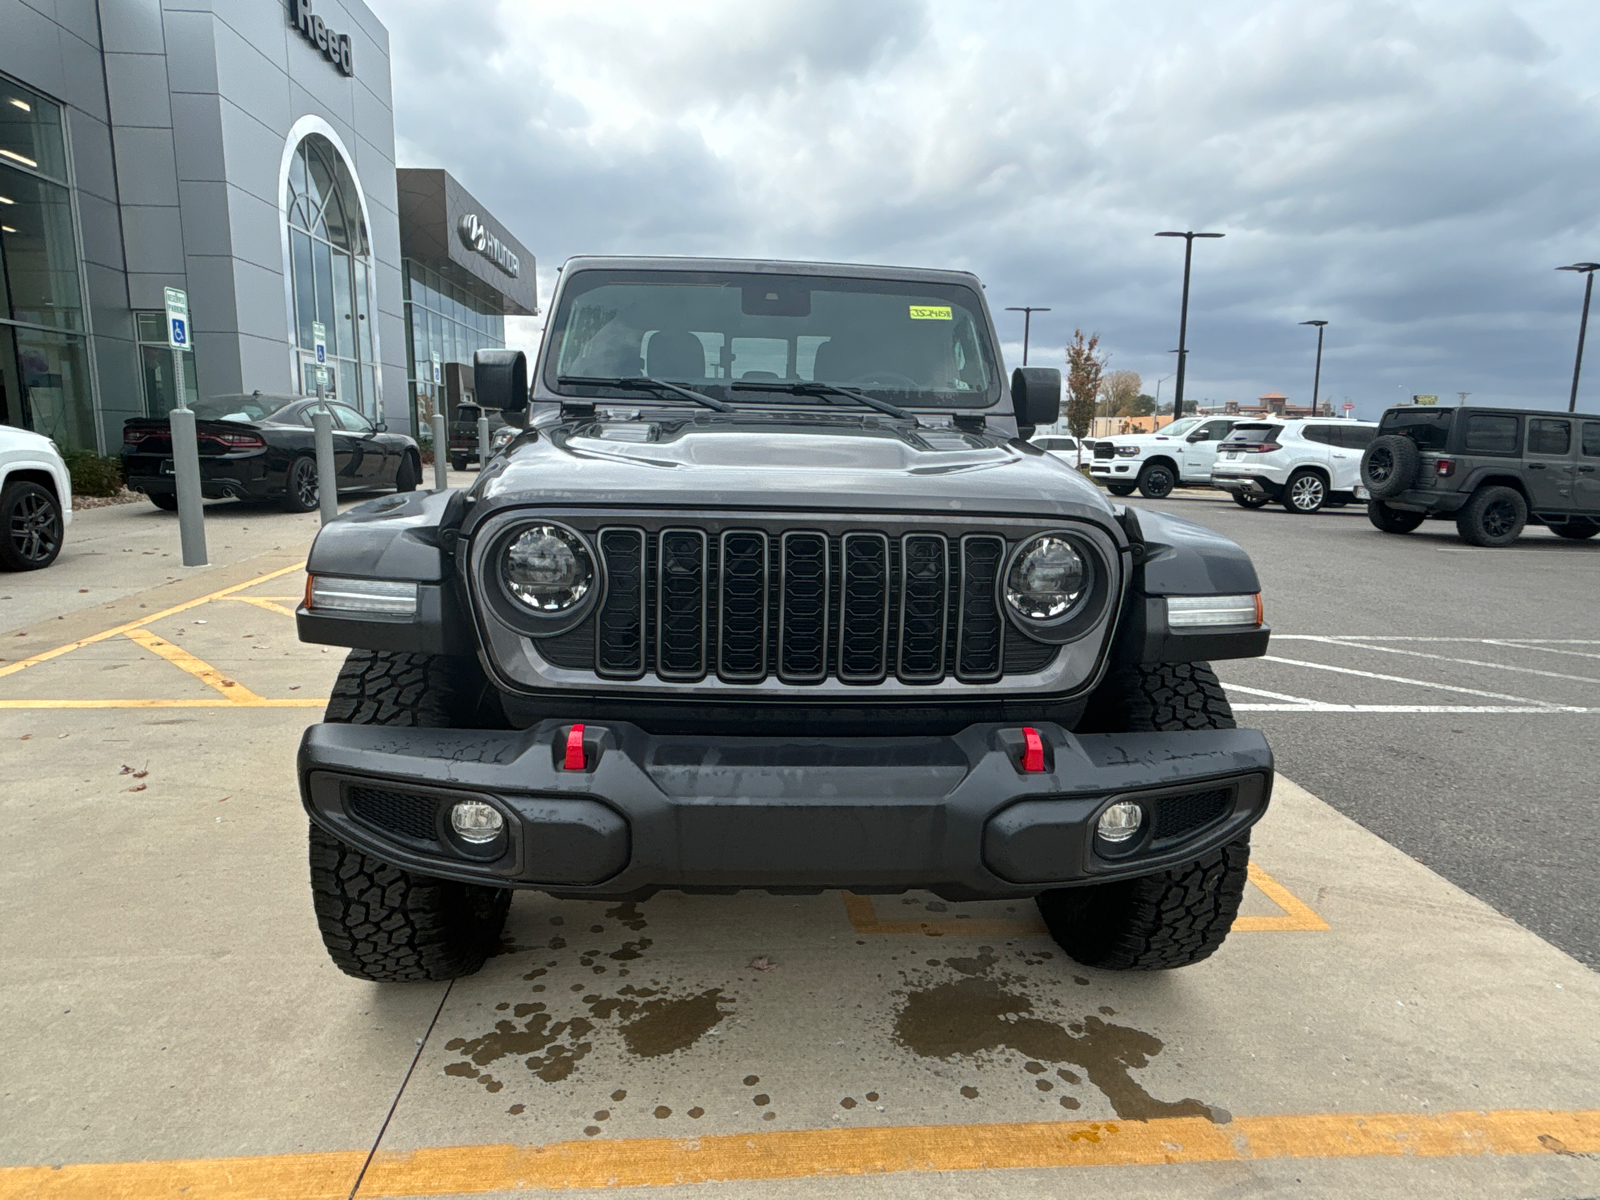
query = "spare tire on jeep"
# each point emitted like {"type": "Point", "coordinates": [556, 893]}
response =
{"type": "Point", "coordinates": [1390, 465]}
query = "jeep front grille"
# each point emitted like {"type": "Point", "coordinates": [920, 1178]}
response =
{"type": "Point", "coordinates": [800, 606]}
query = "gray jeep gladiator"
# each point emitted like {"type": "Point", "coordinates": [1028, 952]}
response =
{"type": "Point", "coordinates": [1491, 470]}
{"type": "Point", "coordinates": [770, 591]}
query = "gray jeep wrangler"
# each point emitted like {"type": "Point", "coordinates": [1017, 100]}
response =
{"type": "Point", "coordinates": [771, 592]}
{"type": "Point", "coordinates": [1491, 469]}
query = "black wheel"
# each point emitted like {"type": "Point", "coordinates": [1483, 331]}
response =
{"type": "Point", "coordinates": [1392, 520]}
{"type": "Point", "coordinates": [165, 501]}
{"type": "Point", "coordinates": [1120, 489]}
{"type": "Point", "coordinates": [1577, 529]}
{"type": "Point", "coordinates": [1493, 517]}
{"type": "Point", "coordinates": [1179, 916]}
{"type": "Point", "coordinates": [407, 474]}
{"type": "Point", "coordinates": [31, 518]}
{"type": "Point", "coordinates": [1306, 492]}
{"type": "Point", "coordinates": [300, 491]}
{"type": "Point", "coordinates": [1156, 481]}
{"type": "Point", "coordinates": [1251, 500]}
{"type": "Point", "coordinates": [381, 922]}
{"type": "Point", "coordinates": [1390, 465]}
{"type": "Point", "coordinates": [458, 462]}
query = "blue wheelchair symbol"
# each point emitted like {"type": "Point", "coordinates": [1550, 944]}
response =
{"type": "Point", "coordinates": [180, 334]}
{"type": "Point", "coordinates": [322, 355]}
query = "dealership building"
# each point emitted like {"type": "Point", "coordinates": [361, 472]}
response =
{"type": "Point", "coordinates": [245, 154]}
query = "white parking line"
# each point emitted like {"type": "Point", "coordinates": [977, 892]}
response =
{"type": "Point", "coordinates": [1466, 662]}
{"type": "Point", "coordinates": [1249, 691]}
{"type": "Point", "coordinates": [1318, 706]}
{"type": "Point", "coordinates": [1541, 649]}
{"type": "Point", "coordinates": [1443, 687]}
{"type": "Point", "coordinates": [1389, 637]}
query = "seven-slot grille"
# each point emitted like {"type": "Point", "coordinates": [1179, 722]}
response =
{"type": "Point", "coordinates": [800, 606]}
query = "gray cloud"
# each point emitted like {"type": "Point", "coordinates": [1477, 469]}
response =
{"type": "Point", "coordinates": [1410, 171]}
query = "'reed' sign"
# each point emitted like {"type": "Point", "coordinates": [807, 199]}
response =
{"type": "Point", "coordinates": [335, 47]}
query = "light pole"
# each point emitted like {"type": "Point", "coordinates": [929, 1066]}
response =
{"type": "Point", "coordinates": [1183, 313]}
{"type": "Point", "coordinates": [1316, 386]}
{"type": "Point", "coordinates": [1587, 268]}
{"type": "Point", "coordinates": [1159, 382]}
{"type": "Point", "coordinates": [1027, 312]}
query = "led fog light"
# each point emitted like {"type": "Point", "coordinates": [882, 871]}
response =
{"type": "Point", "coordinates": [1119, 823]}
{"type": "Point", "coordinates": [476, 822]}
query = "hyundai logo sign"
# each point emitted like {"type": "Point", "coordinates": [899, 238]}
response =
{"type": "Point", "coordinates": [335, 47]}
{"type": "Point", "coordinates": [476, 236]}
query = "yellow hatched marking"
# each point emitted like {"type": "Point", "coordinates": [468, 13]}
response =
{"type": "Point", "coordinates": [182, 659]}
{"type": "Point", "coordinates": [270, 603]}
{"type": "Point", "coordinates": [258, 702]}
{"type": "Point", "coordinates": [46, 656]}
{"type": "Point", "coordinates": [1296, 917]}
{"type": "Point", "coordinates": [813, 1153]}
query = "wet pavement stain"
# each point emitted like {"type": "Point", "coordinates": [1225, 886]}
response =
{"type": "Point", "coordinates": [666, 1025]}
{"type": "Point", "coordinates": [975, 1015]}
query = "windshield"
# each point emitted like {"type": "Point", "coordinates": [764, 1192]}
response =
{"type": "Point", "coordinates": [915, 344]}
{"type": "Point", "coordinates": [1178, 427]}
{"type": "Point", "coordinates": [239, 408]}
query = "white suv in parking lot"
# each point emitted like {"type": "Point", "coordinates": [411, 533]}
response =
{"type": "Point", "coordinates": [35, 500]}
{"type": "Point", "coordinates": [1155, 463]}
{"type": "Point", "coordinates": [1302, 464]}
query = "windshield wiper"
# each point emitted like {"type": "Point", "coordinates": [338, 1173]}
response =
{"type": "Point", "coordinates": [643, 383]}
{"type": "Point", "coordinates": [811, 388]}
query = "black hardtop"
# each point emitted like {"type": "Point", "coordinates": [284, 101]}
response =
{"type": "Point", "coordinates": [1418, 410]}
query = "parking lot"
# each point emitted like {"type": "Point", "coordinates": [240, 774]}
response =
{"type": "Point", "coordinates": [1404, 1007]}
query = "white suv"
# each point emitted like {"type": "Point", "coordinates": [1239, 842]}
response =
{"type": "Point", "coordinates": [35, 500]}
{"type": "Point", "coordinates": [1155, 463]}
{"type": "Point", "coordinates": [1301, 464]}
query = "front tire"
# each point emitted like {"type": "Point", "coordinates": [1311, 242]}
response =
{"type": "Point", "coordinates": [30, 526]}
{"type": "Point", "coordinates": [1156, 482]}
{"type": "Point", "coordinates": [1172, 918]}
{"type": "Point", "coordinates": [1576, 529]}
{"type": "Point", "coordinates": [408, 474]}
{"type": "Point", "coordinates": [1305, 493]}
{"type": "Point", "coordinates": [1493, 517]}
{"type": "Point", "coordinates": [380, 922]}
{"type": "Point", "coordinates": [1392, 520]}
{"type": "Point", "coordinates": [300, 490]}
{"type": "Point", "coordinates": [1244, 500]}
{"type": "Point", "coordinates": [1120, 489]}
{"type": "Point", "coordinates": [458, 463]}
{"type": "Point", "coordinates": [165, 501]}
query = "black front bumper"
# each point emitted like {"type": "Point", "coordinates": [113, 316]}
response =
{"type": "Point", "coordinates": [954, 815]}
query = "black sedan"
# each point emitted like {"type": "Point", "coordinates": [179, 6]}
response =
{"type": "Point", "coordinates": [260, 447]}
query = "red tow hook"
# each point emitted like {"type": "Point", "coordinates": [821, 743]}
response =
{"type": "Point", "coordinates": [574, 760]}
{"type": "Point", "coordinates": [1032, 751]}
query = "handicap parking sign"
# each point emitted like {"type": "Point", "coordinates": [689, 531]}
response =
{"type": "Point", "coordinates": [319, 341]}
{"type": "Point", "coordinates": [177, 303]}
{"type": "Point", "coordinates": [180, 332]}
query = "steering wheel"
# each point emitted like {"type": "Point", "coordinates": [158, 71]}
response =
{"type": "Point", "coordinates": [890, 379]}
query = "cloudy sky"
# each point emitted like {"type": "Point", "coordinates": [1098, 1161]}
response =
{"type": "Point", "coordinates": [1410, 172]}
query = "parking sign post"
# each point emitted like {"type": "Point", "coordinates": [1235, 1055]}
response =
{"type": "Point", "coordinates": [185, 441]}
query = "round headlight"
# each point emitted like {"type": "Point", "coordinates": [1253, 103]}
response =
{"type": "Point", "coordinates": [1046, 579]}
{"type": "Point", "coordinates": [548, 569]}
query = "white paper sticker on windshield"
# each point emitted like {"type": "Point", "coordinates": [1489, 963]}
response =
{"type": "Point", "coordinates": [931, 312]}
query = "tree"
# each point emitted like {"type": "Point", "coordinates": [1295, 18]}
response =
{"type": "Point", "coordinates": [1142, 406]}
{"type": "Point", "coordinates": [1085, 366]}
{"type": "Point", "coordinates": [1118, 392]}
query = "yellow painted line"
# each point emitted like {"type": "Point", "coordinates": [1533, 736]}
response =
{"type": "Point", "coordinates": [46, 656]}
{"type": "Point", "coordinates": [183, 660]}
{"type": "Point", "coordinates": [270, 603]}
{"type": "Point", "coordinates": [1296, 916]}
{"type": "Point", "coordinates": [809, 1153]}
{"type": "Point", "coordinates": [258, 702]}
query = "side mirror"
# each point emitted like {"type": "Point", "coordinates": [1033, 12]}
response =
{"type": "Point", "coordinates": [1035, 397]}
{"type": "Point", "coordinates": [1200, 435]}
{"type": "Point", "coordinates": [381, 427]}
{"type": "Point", "coordinates": [500, 379]}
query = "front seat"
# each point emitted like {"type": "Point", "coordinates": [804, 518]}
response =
{"type": "Point", "coordinates": [675, 355]}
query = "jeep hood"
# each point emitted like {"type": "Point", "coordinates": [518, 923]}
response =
{"type": "Point", "coordinates": [785, 461]}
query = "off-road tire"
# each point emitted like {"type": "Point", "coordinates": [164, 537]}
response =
{"type": "Point", "coordinates": [408, 474]}
{"type": "Point", "coordinates": [1156, 481]}
{"type": "Point", "coordinates": [1576, 529]}
{"type": "Point", "coordinates": [30, 526]}
{"type": "Point", "coordinates": [165, 501]}
{"type": "Point", "coordinates": [1179, 916]}
{"type": "Point", "coordinates": [392, 926]}
{"type": "Point", "coordinates": [1494, 516]}
{"type": "Point", "coordinates": [1121, 489]}
{"type": "Point", "coordinates": [1390, 465]}
{"type": "Point", "coordinates": [1305, 493]}
{"type": "Point", "coordinates": [1392, 520]}
{"type": "Point", "coordinates": [381, 922]}
{"type": "Point", "coordinates": [1251, 501]}
{"type": "Point", "coordinates": [301, 489]}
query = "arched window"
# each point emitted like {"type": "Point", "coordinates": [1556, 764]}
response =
{"type": "Point", "coordinates": [330, 258]}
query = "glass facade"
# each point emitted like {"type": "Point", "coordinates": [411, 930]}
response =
{"type": "Point", "coordinates": [448, 318]}
{"type": "Point", "coordinates": [330, 258]}
{"type": "Point", "coordinates": [156, 368]}
{"type": "Point", "coordinates": [44, 376]}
